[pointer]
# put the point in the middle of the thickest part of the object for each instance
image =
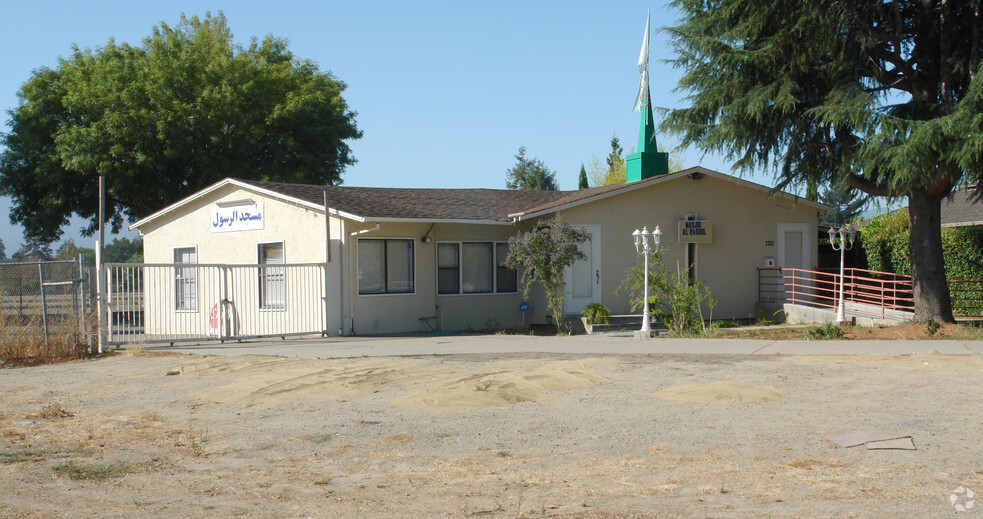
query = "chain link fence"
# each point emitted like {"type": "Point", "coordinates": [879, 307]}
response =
{"type": "Point", "coordinates": [43, 299]}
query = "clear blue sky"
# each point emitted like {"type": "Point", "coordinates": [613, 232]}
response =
{"type": "Point", "coordinates": [446, 92]}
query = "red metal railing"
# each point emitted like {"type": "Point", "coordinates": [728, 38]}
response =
{"type": "Point", "coordinates": [867, 291]}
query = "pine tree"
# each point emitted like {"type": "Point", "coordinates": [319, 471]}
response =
{"type": "Point", "coordinates": [883, 96]}
{"type": "Point", "coordinates": [529, 173]}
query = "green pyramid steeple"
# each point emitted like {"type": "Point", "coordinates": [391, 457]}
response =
{"type": "Point", "coordinates": [648, 161]}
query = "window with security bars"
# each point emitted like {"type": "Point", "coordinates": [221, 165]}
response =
{"type": "Point", "coordinates": [185, 279]}
{"type": "Point", "coordinates": [272, 282]}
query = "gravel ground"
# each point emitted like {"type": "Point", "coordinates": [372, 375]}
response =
{"type": "Point", "coordinates": [506, 435]}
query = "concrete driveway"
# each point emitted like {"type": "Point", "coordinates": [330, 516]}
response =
{"type": "Point", "coordinates": [343, 347]}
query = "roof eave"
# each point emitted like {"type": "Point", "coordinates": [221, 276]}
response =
{"type": "Point", "coordinates": [249, 187]}
{"type": "Point", "coordinates": [371, 219]}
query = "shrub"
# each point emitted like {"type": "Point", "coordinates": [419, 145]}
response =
{"type": "Point", "coordinates": [672, 296]}
{"type": "Point", "coordinates": [596, 313]}
{"type": "Point", "coordinates": [826, 332]}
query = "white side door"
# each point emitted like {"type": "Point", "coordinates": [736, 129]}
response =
{"type": "Point", "coordinates": [583, 278]}
{"type": "Point", "coordinates": [794, 252]}
{"type": "Point", "coordinates": [793, 246]}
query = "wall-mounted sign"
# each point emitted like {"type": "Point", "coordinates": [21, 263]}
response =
{"type": "Point", "coordinates": [239, 217]}
{"type": "Point", "coordinates": [695, 231]}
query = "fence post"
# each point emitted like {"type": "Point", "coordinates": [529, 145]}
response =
{"type": "Point", "coordinates": [100, 301]}
{"type": "Point", "coordinates": [78, 301]}
{"type": "Point", "coordinates": [44, 308]}
{"type": "Point", "coordinates": [225, 330]}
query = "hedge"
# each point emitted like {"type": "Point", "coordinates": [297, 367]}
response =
{"type": "Point", "coordinates": [885, 241]}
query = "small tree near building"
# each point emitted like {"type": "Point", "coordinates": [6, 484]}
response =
{"type": "Point", "coordinates": [543, 253]}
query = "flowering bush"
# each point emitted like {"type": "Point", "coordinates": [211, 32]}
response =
{"type": "Point", "coordinates": [542, 254]}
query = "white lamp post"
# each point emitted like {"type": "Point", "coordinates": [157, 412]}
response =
{"type": "Point", "coordinates": [847, 235]}
{"type": "Point", "coordinates": [643, 247]}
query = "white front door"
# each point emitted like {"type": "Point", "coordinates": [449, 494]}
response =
{"type": "Point", "coordinates": [583, 278]}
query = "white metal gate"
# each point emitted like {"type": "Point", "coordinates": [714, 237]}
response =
{"type": "Point", "coordinates": [149, 303]}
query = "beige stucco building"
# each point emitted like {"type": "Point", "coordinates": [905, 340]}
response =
{"type": "Point", "coordinates": [405, 260]}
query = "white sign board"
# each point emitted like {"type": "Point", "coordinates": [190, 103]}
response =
{"type": "Point", "coordinates": [245, 217]}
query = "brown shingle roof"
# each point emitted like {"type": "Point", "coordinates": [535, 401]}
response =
{"type": "Point", "coordinates": [478, 205]}
{"type": "Point", "coordinates": [414, 203]}
{"type": "Point", "coordinates": [965, 208]}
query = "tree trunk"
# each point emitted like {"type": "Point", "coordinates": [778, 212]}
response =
{"type": "Point", "coordinates": [927, 264]}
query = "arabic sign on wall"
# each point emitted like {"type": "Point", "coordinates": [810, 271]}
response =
{"type": "Point", "coordinates": [239, 217]}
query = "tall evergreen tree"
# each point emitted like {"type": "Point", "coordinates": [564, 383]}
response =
{"type": "Point", "coordinates": [529, 173]}
{"type": "Point", "coordinates": [616, 163]}
{"type": "Point", "coordinates": [614, 159]}
{"type": "Point", "coordinates": [33, 249]}
{"type": "Point", "coordinates": [885, 96]}
{"type": "Point", "coordinates": [582, 182]}
{"type": "Point", "coordinates": [848, 204]}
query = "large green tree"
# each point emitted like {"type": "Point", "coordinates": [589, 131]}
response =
{"type": "Point", "coordinates": [883, 95]}
{"type": "Point", "coordinates": [164, 119]}
{"type": "Point", "coordinates": [530, 173]}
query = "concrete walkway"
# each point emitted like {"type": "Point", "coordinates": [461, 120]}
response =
{"type": "Point", "coordinates": [343, 347]}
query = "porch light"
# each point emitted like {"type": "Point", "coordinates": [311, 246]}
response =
{"type": "Point", "coordinates": [643, 247]}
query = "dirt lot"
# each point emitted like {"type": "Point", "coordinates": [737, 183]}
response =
{"type": "Point", "coordinates": [145, 435]}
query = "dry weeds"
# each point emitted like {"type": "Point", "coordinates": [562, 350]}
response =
{"type": "Point", "coordinates": [24, 344]}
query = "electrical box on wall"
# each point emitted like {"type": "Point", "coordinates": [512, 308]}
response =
{"type": "Point", "coordinates": [769, 261]}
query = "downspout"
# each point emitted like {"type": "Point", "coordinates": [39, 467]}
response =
{"type": "Point", "coordinates": [351, 309]}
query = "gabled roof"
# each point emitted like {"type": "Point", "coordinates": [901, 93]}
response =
{"type": "Point", "coordinates": [487, 206]}
{"type": "Point", "coordinates": [963, 209]}
{"type": "Point", "coordinates": [575, 198]}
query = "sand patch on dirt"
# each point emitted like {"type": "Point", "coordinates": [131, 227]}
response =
{"type": "Point", "coordinates": [502, 388]}
{"type": "Point", "coordinates": [724, 392]}
{"type": "Point", "coordinates": [272, 381]}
